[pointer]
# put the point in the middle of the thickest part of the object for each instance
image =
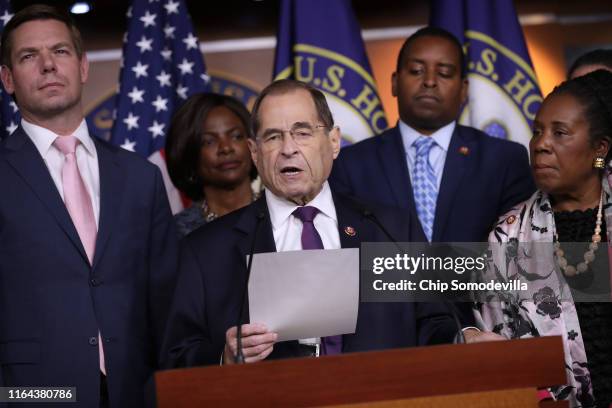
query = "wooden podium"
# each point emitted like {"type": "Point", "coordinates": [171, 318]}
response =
{"type": "Point", "coordinates": [494, 374]}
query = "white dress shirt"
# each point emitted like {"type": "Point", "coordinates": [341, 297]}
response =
{"type": "Point", "coordinates": [287, 229]}
{"type": "Point", "coordinates": [437, 154]}
{"type": "Point", "coordinates": [86, 156]}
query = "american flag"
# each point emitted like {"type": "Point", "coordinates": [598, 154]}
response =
{"type": "Point", "coordinates": [10, 113]}
{"type": "Point", "coordinates": [161, 67]}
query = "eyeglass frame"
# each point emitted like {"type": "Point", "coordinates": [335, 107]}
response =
{"type": "Point", "coordinates": [296, 126]}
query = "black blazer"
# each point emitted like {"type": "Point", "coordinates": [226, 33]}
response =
{"type": "Point", "coordinates": [212, 279]}
{"type": "Point", "coordinates": [52, 302]}
{"type": "Point", "coordinates": [483, 178]}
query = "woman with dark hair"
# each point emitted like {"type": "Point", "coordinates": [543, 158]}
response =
{"type": "Point", "coordinates": [570, 217]}
{"type": "Point", "coordinates": [208, 158]}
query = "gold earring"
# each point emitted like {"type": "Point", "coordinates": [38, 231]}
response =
{"type": "Point", "coordinates": [599, 163]}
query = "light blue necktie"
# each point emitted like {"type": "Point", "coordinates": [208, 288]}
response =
{"type": "Point", "coordinates": [424, 185]}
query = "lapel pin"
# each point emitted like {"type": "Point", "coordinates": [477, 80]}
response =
{"type": "Point", "coordinates": [464, 150]}
{"type": "Point", "coordinates": [511, 219]}
{"type": "Point", "coordinates": [350, 231]}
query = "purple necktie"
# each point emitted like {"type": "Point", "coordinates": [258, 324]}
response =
{"type": "Point", "coordinates": [312, 240]}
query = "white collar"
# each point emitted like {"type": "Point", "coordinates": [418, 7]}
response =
{"type": "Point", "coordinates": [442, 136]}
{"type": "Point", "coordinates": [280, 209]}
{"type": "Point", "coordinates": [43, 138]}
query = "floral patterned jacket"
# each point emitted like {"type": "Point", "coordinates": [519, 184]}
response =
{"type": "Point", "coordinates": [548, 308]}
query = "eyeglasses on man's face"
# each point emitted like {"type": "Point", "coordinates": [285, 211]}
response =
{"type": "Point", "coordinates": [302, 133]}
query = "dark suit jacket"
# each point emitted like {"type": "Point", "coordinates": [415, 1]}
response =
{"type": "Point", "coordinates": [52, 302]}
{"type": "Point", "coordinates": [476, 187]}
{"type": "Point", "coordinates": [212, 279]}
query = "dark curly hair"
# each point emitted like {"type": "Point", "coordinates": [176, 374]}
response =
{"type": "Point", "coordinates": [594, 92]}
{"type": "Point", "coordinates": [184, 140]}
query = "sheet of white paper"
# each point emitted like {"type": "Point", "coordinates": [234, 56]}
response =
{"type": "Point", "coordinates": [305, 294]}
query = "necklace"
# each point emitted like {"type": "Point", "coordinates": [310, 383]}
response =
{"type": "Point", "coordinates": [589, 255]}
{"type": "Point", "coordinates": [209, 215]}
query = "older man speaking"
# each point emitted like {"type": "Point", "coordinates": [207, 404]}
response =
{"type": "Point", "coordinates": [295, 143]}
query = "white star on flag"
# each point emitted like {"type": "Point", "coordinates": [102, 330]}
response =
{"type": "Point", "coordinates": [140, 69]}
{"type": "Point", "coordinates": [136, 95]}
{"type": "Point", "coordinates": [205, 78]}
{"type": "Point", "coordinates": [11, 128]}
{"type": "Point", "coordinates": [166, 54]}
{"type": "Point", "coordinates": [181, 91]}
{"type": "Point", "coordinates": [131, 121]}
{"type": "Point", "coordinates": [129, 145]}
{"type": "Point", "coordinates": [6, 17]}
{"type": "Point", "coordinates": [191, 41]}
{"type": "Point", "coordinates": [145, 44]}
{"type": "Point", "coordinates": [148, 19]}
{"type": "Point", "coordinates": [164, 79]}
{"type": "Point", "coordinates": [14, 106]}
{"type": "Point", "coordinates": [186, 67]}
{"type": "Point", "coordinates": [171, 7]}
{"type": "Point", "coordinates": [160, 103]}
{"type": "Point", "coordinates": [169, 31]}
{"type": "Point", "coordinates": [157, 129]}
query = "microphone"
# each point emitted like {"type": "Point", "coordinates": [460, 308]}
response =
{"type": "Point", "coordinates": [372, 217]}
{"type": "Point", "coordinates": [449, 306]}
{"type": "Point", "coordinates": [239, 357]}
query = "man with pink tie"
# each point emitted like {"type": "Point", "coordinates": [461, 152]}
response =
{"type": "Point", "coordinates": [87, 242]}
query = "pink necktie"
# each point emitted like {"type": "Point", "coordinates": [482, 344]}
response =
{"type": "Point", "coordinates": [78, 204]}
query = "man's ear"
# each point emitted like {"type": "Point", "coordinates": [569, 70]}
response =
{"type": "Point", "coordinates": [253, 149]}
{"type": "Point", "coordinates": [84, 68]}
{"type": "Point", "coordinates": [464, 90]}
{"type": "Point", "coordinates": [7, 79]}
{"type": "Point", "coordinates": [334, 138]}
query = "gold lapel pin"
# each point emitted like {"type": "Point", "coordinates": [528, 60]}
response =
{"type": "Point", "coordinates": [464, 150]}
{"type": "Point", "coordinates": [350, 231]}
{"type": "Point", "coordinates": [511, 219]}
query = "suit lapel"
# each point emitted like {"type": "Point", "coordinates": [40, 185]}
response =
{"type": "Point", "coordinates": [253, 226]}
{"type": "Point", "coordinates": [111, 192]}
{"type": "Point", "coordinates": [26, 160]}
{"type": "Point", "coordinates": [392, 156]}
{"type": "Point", "coordinates": [457, 160]}
{"type": "Point", "coordinates": [350, 224]}
{"type": "Point", "coordinates": [248, 223]}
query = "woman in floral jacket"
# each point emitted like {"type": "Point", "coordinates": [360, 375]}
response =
{"type": "Point", "coordinates": [569, 151]}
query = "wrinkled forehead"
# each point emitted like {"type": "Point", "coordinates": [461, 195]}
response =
{"type": "Point", "coordinates": [285, 110]}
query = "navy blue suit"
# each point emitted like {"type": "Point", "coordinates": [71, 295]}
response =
{"type": "Point", "coordinates": [213, 277]}
{"type": "Point", "coordinates": [483, 177]}
{"type": "Point", "coordinates": [52, 302]}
